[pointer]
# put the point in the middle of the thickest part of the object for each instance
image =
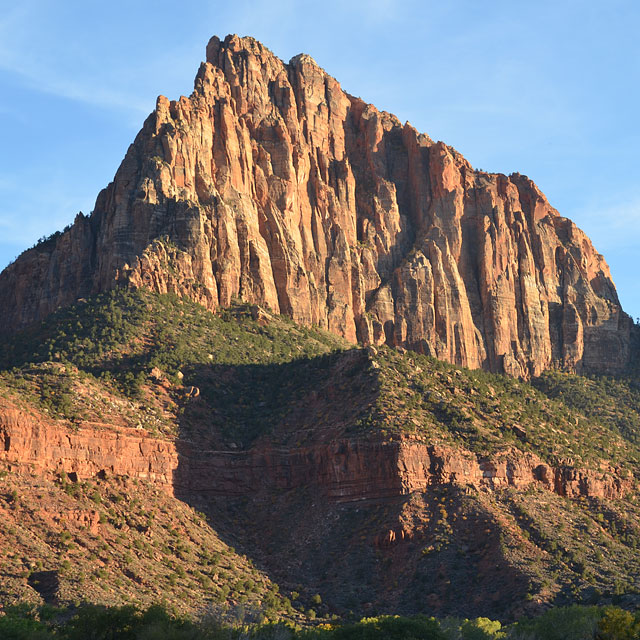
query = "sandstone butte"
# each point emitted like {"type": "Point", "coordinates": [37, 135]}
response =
{"type": "Point", "coordinates": [272, 185]}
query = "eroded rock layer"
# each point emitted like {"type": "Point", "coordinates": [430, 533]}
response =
{"type": "Point", "coordinates": [271, 184]}
{"type": "Point", "coordinates": [342, 471]}
{"type": "Point", "coordinates": [91, 449]}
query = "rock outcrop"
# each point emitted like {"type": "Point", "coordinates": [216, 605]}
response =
{"type": "Point", "coordinates": [345, 470]}
{"type": "Point", "coordinates": [30, 440]}
{"type": "Point", "coordinates": [353, 470]}
{"type": "Point", "coordinates": [271, 184]}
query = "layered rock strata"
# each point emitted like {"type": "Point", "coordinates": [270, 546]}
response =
{"type": "Point", "coordinates": [89, 450]}
{"type": "Point", "coordinates": [352, 470]}
{"type": "Point", "coordinates": [271, 184]}
{"type": "Point", "coordinates": [343, 471]}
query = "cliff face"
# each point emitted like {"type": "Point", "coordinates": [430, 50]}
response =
{"type": "Point", "coordinates": [351, 471]}
{"type": "Point", "coordinates": [420, 521]}
{"type": "Point", "coordinates": [345, 470]}
{"type": "Point", "coordinates": [271, 184]}
{"type": "Point", "coordinates": [29, 439]}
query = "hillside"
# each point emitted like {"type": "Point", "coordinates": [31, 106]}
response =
{"type": "Point", "coordinates": [153, 449]}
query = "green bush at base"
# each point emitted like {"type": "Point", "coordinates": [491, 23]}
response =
{"type": "Point", "coordinates": [93, 622]}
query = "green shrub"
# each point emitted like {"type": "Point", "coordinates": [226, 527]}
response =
{"type": "Point", "coordinates": [617, 624]}
{"type": "Point", "coordinates": [391, 628]}
{"type": "Point", "coordinates": [21, 623]}
{"type": "Point", "coordinates": [561, 623]}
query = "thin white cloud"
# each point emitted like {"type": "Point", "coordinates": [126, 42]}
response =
{"type": "Point", "coordinates": [48, 80]}
{"type": "Point", "coordinates": [37, 71]}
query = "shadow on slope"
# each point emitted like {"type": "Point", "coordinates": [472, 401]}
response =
{"type": "Point", "coordinates": [257, 402]}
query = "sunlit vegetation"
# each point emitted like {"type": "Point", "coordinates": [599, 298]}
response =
{"type": "Point", "coordinates": [225, 380]}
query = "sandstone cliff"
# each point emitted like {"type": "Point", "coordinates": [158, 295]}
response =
{"type": "Point", "coordinates": [345, 470]}
{"type": "Point", "coordinates": [28, 439]}
{"type": "Point", "coordinates": [271, 184]}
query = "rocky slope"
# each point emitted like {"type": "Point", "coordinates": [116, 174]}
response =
{"type": "Point", "coordinates": [384, 481]}
{"type": "Point", "coordinates": [113, 539]}
{"type": "Point", "coordinates": [272, 185]}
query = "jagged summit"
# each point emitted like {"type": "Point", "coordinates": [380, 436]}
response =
{"type": "Point", "coordinates": [363, 480]}
{"type": "Point", "coordinates": [272, 185]}
{"type": "Point", "coordinates": [236, 43]}
{"type": "Point", "coordinates": [303, 58]}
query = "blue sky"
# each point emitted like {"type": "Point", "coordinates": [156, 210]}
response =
{"type": "Point", "coordinates": [549, 89]}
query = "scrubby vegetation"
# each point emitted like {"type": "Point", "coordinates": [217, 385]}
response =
{"type": "Point", "coordinates": [560, 417]}
{"type": "Point", "coordinates": [253, 369]}
{"type": "Point", "coordinates": [111, 540]}
{"type": "Point", "coordinates": [125, 334]}
{"type": "Point", "coordinates": [610, 401]}
{"type": "Point", "coordinates": [136, 355]}
{"type": "Point", "coordinates": [128, 623]}
{"type": "Point", "coordinates": [229, 380]}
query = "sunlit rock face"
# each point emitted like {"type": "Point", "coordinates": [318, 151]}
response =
{"type": "Point", "coordinates": [272, 185]}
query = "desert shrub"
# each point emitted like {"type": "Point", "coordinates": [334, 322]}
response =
{"type": "Point", "coordinates": [93, 622]}
{"type": "Point", "coordinates": [560, 623]}
{"type": "Point", "coordinates": [21, 623]}
{"type": "Point", "coordinates": [477, 629]}
{"type": "Point", "coordinates": [388, 628]}
{"type": "Point", "coordinates": [618, 624]}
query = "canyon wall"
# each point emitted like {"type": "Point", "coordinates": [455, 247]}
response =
{"type": "Point", "coordinates": [353, 470]}
{"type": "Point", "coordinates": [272, 185]}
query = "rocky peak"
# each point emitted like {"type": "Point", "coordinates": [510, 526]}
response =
{"type": "Point", "coordinates": [302, 59]}
{"type": "Point", "coordinates": [271, 184]}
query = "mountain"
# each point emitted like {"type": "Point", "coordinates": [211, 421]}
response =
{"type": "Point", "coordinates": [271, 185]}
{"type": "Point", "coordinates": [302, 362]}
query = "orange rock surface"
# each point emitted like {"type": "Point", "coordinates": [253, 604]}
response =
{"type": "Point", "coordinates": [87, 451]}
{"type": "Point", "coordinates": [272, 184]}
{"type": "Point", "coordinates": [345, 470]}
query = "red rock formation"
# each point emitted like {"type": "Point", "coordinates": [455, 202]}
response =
{"type": "Point", "coordinates": [351, 470]}
{"type": "Point", "coordinates": [344, 470]}
{"type": "Point", "coordinates": [271, 184]}
{"type": "Point", "coordinates": [28, 440]}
